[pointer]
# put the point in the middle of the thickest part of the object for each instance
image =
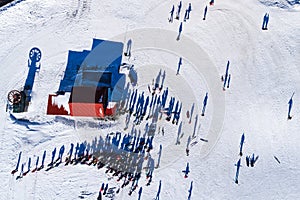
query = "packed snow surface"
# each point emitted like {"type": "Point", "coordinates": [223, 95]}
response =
{"type": "Point", "coordinates": [264, 68]}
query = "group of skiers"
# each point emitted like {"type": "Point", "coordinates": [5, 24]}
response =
{"type": "Point", "coordinates": [186, 15]}
{"type": "Point", "coordinates": [176, 111]}
{"type": "Point", "coordinates": [37, 167]}
{"type": "Point", "coordinates": [83, 152]}
{"type": "Point", "coordinates": [226, 79]}
{"type": "Point", "coordinates": [140, 105]}
{"type": "Point", "coordinates": [133, 177]}
{"type": "Point", "coordinates": [250, 160]}
{"type": "Point", "coordinates": [134, 144]}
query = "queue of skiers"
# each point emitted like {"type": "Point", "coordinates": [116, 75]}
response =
{"type": "Point", "coordinates": [114, 146]}
{"type": "Point", "coordinates": [141, 106]}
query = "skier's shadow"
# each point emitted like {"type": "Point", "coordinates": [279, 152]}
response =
{"type": "Point", "coordinates": [124, 98]}
{"type": "Point", "coordinates": [179, 133]}
{"type": "Point", "coordinates": [157, 80]}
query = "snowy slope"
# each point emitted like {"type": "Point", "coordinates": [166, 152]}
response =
{"type": "Point", "coordinates": [265, 72]}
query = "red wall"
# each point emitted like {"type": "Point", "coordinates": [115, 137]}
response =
{"type": "Point", "coordinates": [53, 109]}
{"type": "Point", "coordinates": [87, 109]}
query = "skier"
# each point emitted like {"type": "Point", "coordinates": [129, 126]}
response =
{"type": "Point", "coordinates": [178, 114]}
{"type": "Point", "coordinates": [187, 151]}
{"type": "Point", "coordinates": [102, 187]}
{"type": "Point", "coordinates": [22, 169]}
{"type": "Point", "coordinates": [145, 106]}
{"type": "Point", "coordinates": [133, 103]}
{"type": "Point", "coordinates": [17, 167]}
{"type": "Point", "coordinates": [205, 11]}
{"type": "Point", "coordinates": [131, 99]}
{"type": "Point", "coordinates": [61, 152]}
{"type": "Point", "coordinates": [70, 153]}
{"type": "Point", "coordinates": [36, 164]}
{"type": "Point", "coordinates": [150, 180]}
{"type": "Point", "coordinates": [241, 144]}
{"type": "Point", "coordinates": [237, 171]}
{"type": "Point", "coordinates": [264, 22]}
{"type": "Point", "coordinates": [189, 10]}
{"type": "Point", "coordinates": [247, 161]}
{"type": "Point", "coordinates": [204, 104]}
{"type": "Point", "coordinates": [229, 77]}
{"type": "Point", "coordinates": [105, 189]}
{"type": "Point", "coordinates": [99, 196]}
{"type": "Point", "coordinates": [158, 192]}
{"type": "Point", "coordinates": [191, 113]}
{"type": "Point", "coordinates": [29, 164]}
{"type": "Point", "coordinates": [171, 105]}
{"type": "Point", "coordinates": [159, 156]}
{"type": "Point", "coordinates": [53, 155]}
{"type": "Point", "coordinates": [253, 160]}
{"type": "Point", "coordinates": [290, 106]}
{"type": "Point", "coordinates": [21, 172]}
{"type": "Point", "coordinates": [162, 82]}
{"type": "Point", "coordinates": [211, 2]}
{"type": "Point", "coordinates": [171, 16]}
{"type": "Point", "coordinates": [140, 193]}
{"type": "Point", "coordinates": [43, 160]}
{"type": "Point", "coordinates": [185, 15]}
{"type": "Point", "coordinates": [187, 170]}
{"type": "Point", "coordinates": [179, 64]}
{"type": "Point", "coordinates": [190, 190]}
{"type": "Point", "coordinates": [226, 75]}
{"type": "Point", "coordinates": [81, 150]}
{"type": "Point", "coordinates": [179, 32]}
{"type": "Point", "coordinates": [165, 97]}
{"type": "Point", "coordinates": [128, 51]}
{"type": "Point", "coordinates": [267, 21]}
{"type": "Point", "coordinates": [175, 112]}
{"type": "Point", "coordinates": [178, 11]}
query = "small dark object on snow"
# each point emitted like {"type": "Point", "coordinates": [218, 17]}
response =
{"type": "Point", "coordinates": [99, 196]}
{"type": "Point", "coordinates": [204, 140]}
{"type": "Point", "coordinates": [187, 151]}
{"type": "Point", "coordinates": [277, 159]}
{"type": "Point", "coordinates": [247, 161]}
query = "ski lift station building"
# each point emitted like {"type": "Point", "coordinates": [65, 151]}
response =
{"type": "Point", "coordinates": [93, 80]}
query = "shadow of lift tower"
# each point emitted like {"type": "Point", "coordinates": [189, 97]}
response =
{"type": "Point", "coordinates": [18, 101]}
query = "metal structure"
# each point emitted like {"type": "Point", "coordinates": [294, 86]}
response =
{"type": "Point", "coordinates": [19, 100]}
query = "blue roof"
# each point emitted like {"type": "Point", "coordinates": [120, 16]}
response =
{"type": "Point", "coordinates": [98, 67]}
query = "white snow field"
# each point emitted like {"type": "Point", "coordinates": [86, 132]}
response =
{"type": "Point", "coordinates": [264, 68]}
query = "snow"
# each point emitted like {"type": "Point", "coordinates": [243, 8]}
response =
{"type": "Point", "coordinates": [265, 72]}
{"type": "Point", "coordinates": [284, 4]}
